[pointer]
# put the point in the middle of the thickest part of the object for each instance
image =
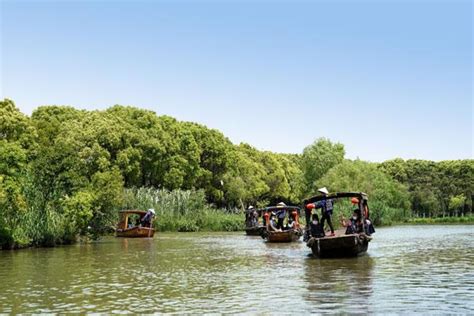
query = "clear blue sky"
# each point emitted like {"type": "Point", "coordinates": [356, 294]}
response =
{"type": "Point", "coordinates": [386, 78]}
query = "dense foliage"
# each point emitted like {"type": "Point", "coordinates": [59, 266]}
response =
{"type": "Point", "coordinates": [65, 172]}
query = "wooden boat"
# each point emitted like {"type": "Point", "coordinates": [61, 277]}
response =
{"type": "Point", "coordinates": [284, 236]}
{"type": "Point", "coordinates": [253, 227]}
{"type": "Point", "coordinates": [342, 244]}
{"type": "Point", "coordinates": [290, 235]}
{"type": "Point", "coordinates": [126, 230]}
{"type": "Point", "coordinates": [254, 231]}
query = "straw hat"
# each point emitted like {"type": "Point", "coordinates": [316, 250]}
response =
{"type": "Point", "coordinates": [152, 211]}
{"type": "Point", "coordinates": [323, 190]}
{"type": "Point", "coordinates": [250, 207]}
{"type": "Point", "coordinates": [281, 204]}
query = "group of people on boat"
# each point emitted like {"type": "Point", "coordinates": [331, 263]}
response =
{"type": "Point", "coordinates": [356, 224]}
{"type": "Point", "coordinates": [251, 217]}
{"type": "Point", "coordinates": [277, 219]}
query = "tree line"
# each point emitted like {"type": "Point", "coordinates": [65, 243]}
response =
{"type": "Point", "coordinates": [64, 171]}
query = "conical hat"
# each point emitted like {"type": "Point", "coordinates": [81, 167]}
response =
{"type": "Point", "coordinates": [323, 190]}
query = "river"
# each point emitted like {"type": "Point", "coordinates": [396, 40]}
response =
{"type": "Point", "coordinates": [422, 269]}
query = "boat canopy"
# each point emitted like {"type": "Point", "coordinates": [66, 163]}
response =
{"type": "Point", "coordinates": [279, 208]}
{"type": "Point", "coordinates": [360, 195]}
{"type": "Point", "coordinates": [128, 212]}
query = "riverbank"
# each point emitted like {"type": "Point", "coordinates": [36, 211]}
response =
{"type": "Point", "coordinates": [440, 220]}
{"type": "Point", "coordinates": [206, 219]}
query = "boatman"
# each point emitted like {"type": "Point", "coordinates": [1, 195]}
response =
{"type": "Point", "coordinates": [326, 205]}
{"type": "Point", "coordinates": [281, 214]}
{"type": "Point", "coordinates": [146, 220]}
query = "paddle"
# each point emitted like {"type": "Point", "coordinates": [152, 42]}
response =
{"type": "Point", "coordinates": [151, 227]}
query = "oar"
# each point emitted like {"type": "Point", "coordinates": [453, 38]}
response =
{"type": "Point", "coordinates": [151, 227]}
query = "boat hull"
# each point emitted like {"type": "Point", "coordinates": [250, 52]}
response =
{"type": "Point", "coordinates": [135, 232]}
{"type": "Point", "coordinates": [254, 231]}
{"type": "Point", "coordinates": [339, 246]}
{"type": "Point", "coordinates": [284, 236]}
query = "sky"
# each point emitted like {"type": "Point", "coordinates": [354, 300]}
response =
{"type": "Point", "coordinates": [385, 78]}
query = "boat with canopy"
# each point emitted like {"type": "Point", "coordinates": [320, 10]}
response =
{"type": "Point", "coordinates": [271, 234]}
{"type": "Point", "coordinates": [345, 243]}
{"type": "Point", "coordinates": [131, 225]}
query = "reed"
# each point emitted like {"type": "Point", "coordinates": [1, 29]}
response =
{"type": "Point", "coordinates": [183, 211]}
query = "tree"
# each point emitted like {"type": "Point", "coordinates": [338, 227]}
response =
{"type": "Point", "coordinates": [317, 159]}
{"type": "Point", "coordinates": [456, 203]}
{"type": "Point", "coordinates": [388, 198]}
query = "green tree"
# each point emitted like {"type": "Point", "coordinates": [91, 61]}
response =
{"type": "Point", "coordinates": [317, 159]}
{"type": "Point", "coordinates": [456, 203]}
{"type": "Point", "coordinates": [389, 199]}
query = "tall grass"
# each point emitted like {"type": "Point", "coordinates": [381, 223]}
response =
{"type": "Point", "coordinates": [183, 211]}
{"type": "Point", "coordinates": [442, 220]}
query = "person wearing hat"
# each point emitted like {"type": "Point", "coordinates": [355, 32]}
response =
{"type": "Point", "coordinates": [249, 216]}
{"type": "Point", "coordinates": [146, 220]}
{"type": "Point", "coordinates": [326, 205]}
{"type": "Point", "coordinates": [281, 214]}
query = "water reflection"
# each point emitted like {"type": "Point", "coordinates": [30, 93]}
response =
{"type": "Point", "coordinates": [342, 285]}
{"type": "Point", "coordinates": [209, 273]}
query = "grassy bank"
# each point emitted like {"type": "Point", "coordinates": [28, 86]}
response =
{"type": "Point", "coordinates": [440, 220]}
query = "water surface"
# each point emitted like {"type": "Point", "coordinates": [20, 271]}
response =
{"type": "Point", "coordinates": [424, 269]}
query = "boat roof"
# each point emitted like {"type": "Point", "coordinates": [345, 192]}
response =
{"type": "Point", "coordinates": [139, 212]}
{"type": "Point", "coordinates": [273, 208]}
{"type": "Point", "coordinates": [337, 195]}
{"type": "Point", "coordinates": [279, 208]}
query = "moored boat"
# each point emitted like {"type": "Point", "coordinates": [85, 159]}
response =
{"type": "Point", "coordinates": [126, 227]}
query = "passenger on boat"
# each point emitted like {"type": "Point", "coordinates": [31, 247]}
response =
{"type": "Point", "coordinates": [273, 226]}
{"type": "Point", "coordinates": [254, 220]}
{"type": "Point", "coordinates": [368, 227]}
{"type": "Point", "coordinates": [251, 217]}
{"type": "Point", "coordinates": [354, 224]}
{"type": "Point", "coordinates": [146, 220]}
{"type": "Point", "coordinates": [316, 229]}
{"type": "Point", "coordinates": [291, 223]}
{"type": "Point", "coordinates": [265, 218]}
{"type": "Point", "coordinates": [281, 214]}
{"type": "Point", "coordinates": [326, 205]}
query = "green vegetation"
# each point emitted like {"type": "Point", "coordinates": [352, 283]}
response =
{"type": "Point", "coordinates": [441, 220]}
{"type": "Point", "coordinates": [64, 173]}
{"type": "Point", "coordinates": [183, 211]}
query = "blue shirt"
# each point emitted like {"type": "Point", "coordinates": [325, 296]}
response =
{"type": "Point", "coordinates": [281, 214]}
{"type": "Point", "coordinates": [327, 205]}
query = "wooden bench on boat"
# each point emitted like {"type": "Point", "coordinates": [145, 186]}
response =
{"type": "Point", "coordinates": [138, 231]}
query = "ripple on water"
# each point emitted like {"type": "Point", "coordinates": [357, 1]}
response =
{"type": "Point", "coordinates": [407, 269]}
